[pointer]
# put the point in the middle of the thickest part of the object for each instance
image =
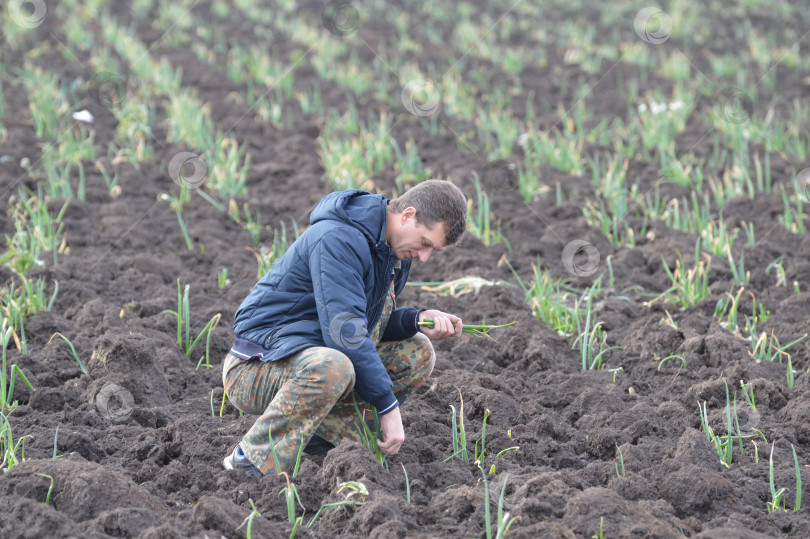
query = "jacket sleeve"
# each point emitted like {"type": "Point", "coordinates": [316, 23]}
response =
{"type": "Point", "coordinates": [401, 325]}
{"type": "Point", "coordinates": [337, 267]}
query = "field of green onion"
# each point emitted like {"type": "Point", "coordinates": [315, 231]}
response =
{"type": "Point", "coordinates": [639, 183]}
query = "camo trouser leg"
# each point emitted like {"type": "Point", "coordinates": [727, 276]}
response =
{"type": "Point", "coordinates": [292, 395]}
{"type": "Point", "coordinates": [409, 363]}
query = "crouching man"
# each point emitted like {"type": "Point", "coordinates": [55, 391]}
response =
{"type": "Point", "coordinates": [321, 329]}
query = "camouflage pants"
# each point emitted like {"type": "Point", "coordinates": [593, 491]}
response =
{"type": "Point", "coordinates": [311, 392]}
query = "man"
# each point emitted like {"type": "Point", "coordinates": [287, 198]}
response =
{"type": "Point", "coordinates": [321, 330]}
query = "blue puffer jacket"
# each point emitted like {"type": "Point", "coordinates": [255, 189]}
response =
{"type": "Point", "coordinates": [329, 290]}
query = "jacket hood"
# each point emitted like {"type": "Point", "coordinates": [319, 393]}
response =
{"type": "Point", "coordinates": [360, 209]}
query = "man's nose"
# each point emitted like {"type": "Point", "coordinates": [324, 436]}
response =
{"type": "Point", "coordinates": [424, 254]}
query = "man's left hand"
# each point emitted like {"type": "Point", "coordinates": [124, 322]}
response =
{"type": "Point", "coordinates": [444, 325]}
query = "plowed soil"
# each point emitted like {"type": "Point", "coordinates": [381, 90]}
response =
{"type": "Point", "coordinates": [624, 448]}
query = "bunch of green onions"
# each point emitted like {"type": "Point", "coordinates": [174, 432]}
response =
{"type": "Point", "coordinates": [480, 330]}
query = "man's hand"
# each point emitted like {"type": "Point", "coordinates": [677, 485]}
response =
{"type": "Point", "coordinates": [444, 325]}
{"type": "Point", "coordinates": [393, 432]}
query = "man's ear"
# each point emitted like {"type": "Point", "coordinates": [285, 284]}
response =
{"type": "Point", "coordinates": [407, 214]}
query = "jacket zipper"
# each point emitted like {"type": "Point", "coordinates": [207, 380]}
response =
{"type": "Point", "coordinates": [381, 301]}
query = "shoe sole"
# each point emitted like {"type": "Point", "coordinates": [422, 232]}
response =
{"type": "Point", "coordinates": [228, 465]}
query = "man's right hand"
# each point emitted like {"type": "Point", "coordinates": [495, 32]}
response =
{"type": "Point", "coordinates": [393, 432]}
{"type": "Point", "coordinates": [444, 325]}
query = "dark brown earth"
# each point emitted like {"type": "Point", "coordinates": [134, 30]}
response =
{"type": "Point", "coordinates": [153, 468]}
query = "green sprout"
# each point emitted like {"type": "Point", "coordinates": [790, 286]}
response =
{"type": "Point", "coordinates": [369, 438]}
{"type": "Point", "coordinates": [72, 350]}
{"type": "Point", "coordinates": [8, 448]}
{"type": "Point", "coordinates": [621, 461]}
{"type": "Point", "coordinates": [407, 483]}
{"type": "Point", "coordinates": [503, 522]}
{"type": "Point", "coordinates": [183, 315]}
{"type": "Point", "coordinates": [777, 502]}
{"type": "Point", "coordinates": [479, 455]}
{"type": "Point", "coordinates": [50, 488]}
{"type": "Point", "coordinates": [290, 491]}
{"type": "Point", "coordinates": [673, 356]}
{"type": "Point", "coordinates": [798, 505]}
{"type": "Point", "coordinates": [459, 433]}
{"type": "Point", "coordinates": [356, 488]}
{"type": "Point", "coordinates": [479, 330]}
{"type": "Point", "coordinates": [7, 378]}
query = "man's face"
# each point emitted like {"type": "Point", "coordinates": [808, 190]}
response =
{"type": "Point", "coordinates": [409, 239]}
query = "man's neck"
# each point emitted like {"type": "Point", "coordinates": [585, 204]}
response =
{"type": "Point", "coordinates": [389, 218]}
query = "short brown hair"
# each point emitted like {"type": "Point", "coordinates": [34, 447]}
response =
{"type": "Point", "coordinates": [436, 201]}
